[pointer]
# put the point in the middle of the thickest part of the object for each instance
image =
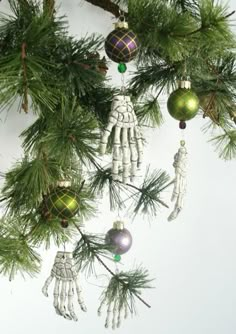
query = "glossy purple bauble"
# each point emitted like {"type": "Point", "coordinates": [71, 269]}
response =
{"type": "Point", "coordinates": [121, 240]}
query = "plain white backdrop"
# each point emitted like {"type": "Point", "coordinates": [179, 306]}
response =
{"type": "Point", "coordinates": [192, 258]}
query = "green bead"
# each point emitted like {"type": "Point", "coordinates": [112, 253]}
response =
{"type": "Point", "coordinates": [117, 258]}
{"type": "Point", "coordinates": [122, 67]}
{"type": "Point", "coordinates": [183, 104]}
{"type": "Point", "coordinates": [62, 202]}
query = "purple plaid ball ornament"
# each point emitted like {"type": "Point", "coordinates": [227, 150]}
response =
{"type": "Point", "coordinates": [121, 44]}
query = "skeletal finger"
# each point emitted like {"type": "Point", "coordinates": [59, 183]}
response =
{"type": "Point", "coordinates": [133, 153]}
{"type": "Point", "coordinates": [118, 322]}
{"type": "Point", "coordinates": [70, 302]}
{"type": "Point", "coordinates": [126, 155]}
{"type": "Point", "coordinates": [116, 159]}
{"type": "Point", "coordinates": [63, 298]}
{"type": "Point", "coordinates": [108, 317]}
{"type": "Point", "coordinates": [176, 187]}
{"type": "Point", "coordinates": [139, 142]}
{"type": "Point", "coordinates": [175, 212]}
{"type": "Point", "coordinates": [46, 285]}
{"type": "Point", "coordinates": [182, 189]}
{"type": "Point", "coordinates": [126, 311]}
{"type": "Point", "coordinates": [114, 313]}
{"type": "Point", "coordinates": [79, 295]}
{"type": "Point", "coordinates": [56, 296]}
{"type": "Point", "coordinates": [107, 133]}
{"type": "Point", "coordinates": [101, 306]}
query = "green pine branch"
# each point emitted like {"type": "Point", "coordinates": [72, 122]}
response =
{"type": "Point", "coordinates": [226, 144]}
{"type": "Point", "coordinates": [39, 61]}
{"type": "Point", "coordinates": [16, 253]}
{"type": "Point", "coordinates": [69, 133]}
{"type": "Point", "coordinates": [149, 112]}
{"type": "Point", "coordinates": [144, 199]}
{"type": "Point", "coordinates": [27, 181]}
{"type": "Point", "coordinates": [87, 249]}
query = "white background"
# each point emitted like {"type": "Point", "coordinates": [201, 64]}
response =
{"type": "Point", "coordinates": [192, 258]}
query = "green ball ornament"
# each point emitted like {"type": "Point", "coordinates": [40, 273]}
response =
{"type": "Point", "coordinates": [63, 202]}
{"type": "Point", "coordinates": [183, 103]}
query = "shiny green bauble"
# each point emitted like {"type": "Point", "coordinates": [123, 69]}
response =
{"type": "Point", "coordinates": [63, 202]}
{"type": "Point", "coordinates": [183, 104]}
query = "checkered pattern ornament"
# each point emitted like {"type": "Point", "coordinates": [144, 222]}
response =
{"type": "Point", "coordinates": [62, 202]}
{"type": "Point", "coordinates": [121, 44]}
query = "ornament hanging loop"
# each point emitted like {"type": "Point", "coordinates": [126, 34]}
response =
{"type": "Point", "coordinates": [121, 23]}
{"type": "Point", "coordinates": [121, 16]}
{"type": "Point", "coordinates": [123, 88]}
{"type": "Point", "coordinates": [185, 76]}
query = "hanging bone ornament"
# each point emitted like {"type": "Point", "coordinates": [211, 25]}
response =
{"type": "Point", "coordinates": [127, 143]}
{"type": "Point", "coordinates": [114, 312]}
{"type": "Point", "coordinates": [180, 165]}
{"type": "Point", "coordinates": [66, 285]}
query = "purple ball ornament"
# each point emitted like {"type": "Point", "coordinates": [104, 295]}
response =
{"type": "Point", "coordinates": [119, 238]}
{"type": "Point", "coordinates": [121, 44]}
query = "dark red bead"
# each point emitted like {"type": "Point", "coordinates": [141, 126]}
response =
{"type": "Point", "coordinates": [182, 125]}
{"type": "Point", "coordinates": [64, 223]}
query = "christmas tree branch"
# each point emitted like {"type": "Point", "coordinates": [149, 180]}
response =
{"type": "Point", "coordinates": [25, 104]}
{"type": "Point", "coordinates": [143, 191]}
{"type": "Point", "coordinates": [87, 242]}
{"type": "Point", "coordinates": [49, 6]}
{"type": "Point", "coordinates": [107, 5]}
{"type": "Point", "coordinates": [202, 28]}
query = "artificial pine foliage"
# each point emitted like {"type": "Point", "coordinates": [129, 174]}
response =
{"type": "Point", "coordinates": [63, 81]}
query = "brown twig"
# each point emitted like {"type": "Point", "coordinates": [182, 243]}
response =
{"type": "Point", "coordinates": [208, 109]}
{"type": "Point", "coordinates": [104, 264]}
{"type": "Point", "coordinates": [25, 103]}
{"type": "Point", "coordinates": [49, 7]}
{"type": "Point", "coordinates": [107, 5]}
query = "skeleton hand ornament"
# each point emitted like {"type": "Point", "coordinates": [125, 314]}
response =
{"type": "Point", "coordinates": [180, 165]}
{"type": "Point", "coordinates": [127, 144]}
{"type": "Point", "coordinates": [66, 283]}
{"type": "Point", "coordinates": [114, 314]}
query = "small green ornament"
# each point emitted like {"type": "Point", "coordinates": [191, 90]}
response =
{"type": "Point", "coordinates": [63, 202]}
{"type": "Point", "coordinates": [117, 258]}
{"type": "Point", "coordinates": [183, 103]}
{"type": "Point", "coordinates": [122, 67]}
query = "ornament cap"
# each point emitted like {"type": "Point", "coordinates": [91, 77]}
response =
{"type": "Point", "coordinates": [64, 183]}
{"type": "Point", "coordinates": [67, 255]}
{"type": "Point", "coordinates": [118, 225]}
{"type": "Point", "coordinates": [184, 84]}
{"type": "Point", "coordinates": [121, 98]}
{"type": "Point", "coordinates": [121, 25]}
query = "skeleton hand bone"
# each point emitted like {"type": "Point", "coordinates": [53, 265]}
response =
{"type": "Point", "coordinates": [66, 282]}
{"type": "Point", "coordinates": [114, 313]}
{"type": "Point", "coordinates": [180, 164]}
{"type": "Point", "coordinates": [127, 145]}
